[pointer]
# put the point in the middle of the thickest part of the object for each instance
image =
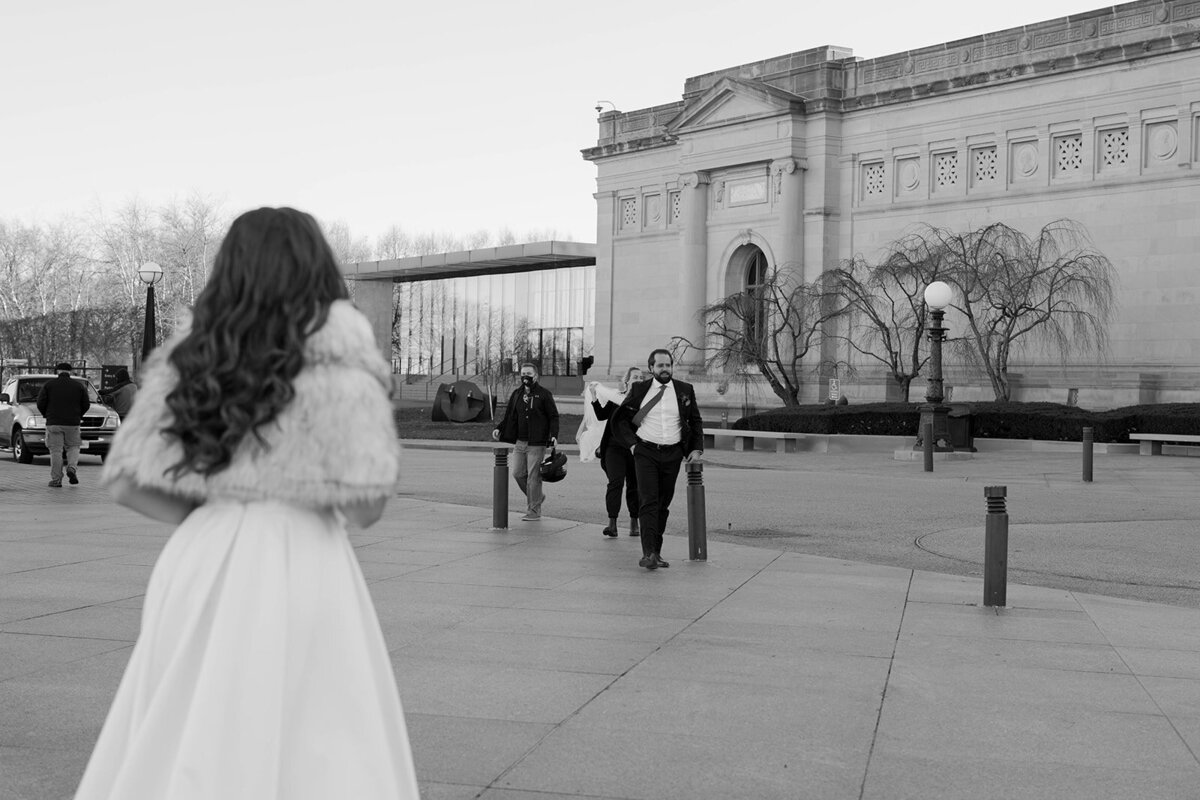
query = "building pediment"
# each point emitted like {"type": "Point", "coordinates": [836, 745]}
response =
{"type": "Point", "coordinates": [731, 101]}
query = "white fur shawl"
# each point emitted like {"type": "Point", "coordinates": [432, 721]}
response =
{"type": "Point", "coordinates": [334, 443]}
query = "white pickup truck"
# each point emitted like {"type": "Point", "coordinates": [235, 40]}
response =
{"type": "Point", "coordinates": [23, 429]}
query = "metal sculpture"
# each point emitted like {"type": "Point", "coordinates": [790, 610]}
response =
{"type": "Point", "coordinates": [461, 401]}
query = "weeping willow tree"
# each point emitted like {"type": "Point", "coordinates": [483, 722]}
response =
{"type": "Point", "coordinates": [1052, 290]}
{"type": "Point", "coordinates": [886, 313]}
{"type": "Point", "coordinates": [769, 328]}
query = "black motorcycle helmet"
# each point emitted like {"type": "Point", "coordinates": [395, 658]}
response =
{"type": "Point", "coordinates": [554, 466]}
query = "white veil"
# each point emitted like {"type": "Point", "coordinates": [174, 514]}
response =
{"type": "Point", "coordinates": [592, 429]}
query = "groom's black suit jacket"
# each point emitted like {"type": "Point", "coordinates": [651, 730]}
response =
{"type": "Point", "coordinates": [691, 427]}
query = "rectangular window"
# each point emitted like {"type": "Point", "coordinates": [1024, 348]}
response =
{"type": "Point", "coordinates": [1068, 155]}
{"type": "Point", "coordinates": [984, 167]}
{"type": "Point", "coordinates": [1112, 150]}
{"type": "Point", "coordinates": [674, 208]}
{"type": "Point", "coordinates": [945, 171]}
{"type": "Point", "coordinates": [629, 213]}
{"type": "Point", "coordinates": [874, 181]}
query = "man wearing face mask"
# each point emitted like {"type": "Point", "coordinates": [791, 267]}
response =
{"type": "Point", "coordinates": [530, 424]}
{"type": "Point", "coordinates": [659, 421]}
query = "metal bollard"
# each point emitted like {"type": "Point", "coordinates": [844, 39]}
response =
{"type": "Point", "coordinates": [995, 548]}
{"type": "Point", "coordinates": [1088, 439]}
{"type": "Point", "coordinates": [927, 446]}
{"type": "Point", "coordinates": [500, 489]}
{"type": "Point", "coordinates": [697, 519]}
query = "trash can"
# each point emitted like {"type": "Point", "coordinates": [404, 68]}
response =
{"type": "Point", "coordinates": [958, 420]}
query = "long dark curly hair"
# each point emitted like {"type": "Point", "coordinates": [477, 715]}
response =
{"type": "Point", "coordinates": [272, 283]}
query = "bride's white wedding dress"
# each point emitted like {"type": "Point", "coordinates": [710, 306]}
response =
{"type": "Point", "coordinates": [260, 671]}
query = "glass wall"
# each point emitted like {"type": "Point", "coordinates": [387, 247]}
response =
{"type": "Point", "coordinates": [469, 326]}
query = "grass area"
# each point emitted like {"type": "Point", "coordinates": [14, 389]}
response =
{"type": "Point", "coordinates": [417, 423]}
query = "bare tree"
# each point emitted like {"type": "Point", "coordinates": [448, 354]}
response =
{"type": "Point", "coordinates": [347, 248]}
{"type": "Point", "coordinates": [124, 242]}
{"type": "Point", "coordinates": [769, 328]}
{"type": "Point", "coordinates": [1052, 289]}
{"type": "Point", "coordinates": [190, 234]}
{"type": "Point", "coordinates": [45, 288]}
{"type": "Point", "coordinates": [886, 313]}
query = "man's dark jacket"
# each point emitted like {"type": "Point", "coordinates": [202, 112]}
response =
{"type": "Point", "coordinates": [542, 417]}
{"type": "Point", "coordinates": [63, 401]}
{"type": "Point", "coordinates": [691, 427]}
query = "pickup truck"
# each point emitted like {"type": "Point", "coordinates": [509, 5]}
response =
{"type": "Point", "coordinates": [23, 429]}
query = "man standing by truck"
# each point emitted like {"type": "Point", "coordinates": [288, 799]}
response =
{"type": "Point", "coordinates": [63, 401]}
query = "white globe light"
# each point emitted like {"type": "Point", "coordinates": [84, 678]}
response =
{"type": "Point", "coordinates": [938, 294]}
{"type": "Point", "coordinates": [150, 273]}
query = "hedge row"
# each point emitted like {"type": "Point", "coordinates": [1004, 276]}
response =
{"type": "Point", "coordinates": [1044, 421]}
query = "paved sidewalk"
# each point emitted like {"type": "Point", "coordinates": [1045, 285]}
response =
{"type": "Point", "coordinates": [540, 662]}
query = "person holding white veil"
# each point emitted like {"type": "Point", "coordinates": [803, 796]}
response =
{"type": "Point", "coordinates": [616, 461]}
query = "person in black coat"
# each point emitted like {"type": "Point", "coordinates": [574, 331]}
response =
{"type": "Point", "coordinates": [659, 422]}
{"type": "Point", "coordinates": [530, 424]}
{"type": "Point", "coordinates": [120, 395]}
{"type": "Point", "coordinates": [617, 461]}
{"type": "Point", "coordinates": [63, 401]}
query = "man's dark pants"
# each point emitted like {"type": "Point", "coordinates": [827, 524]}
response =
{"type": "Point", "coordinates": [657, 470]}
{"type": "Point", "coordinates": [618, 466]}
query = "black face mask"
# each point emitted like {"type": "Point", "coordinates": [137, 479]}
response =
{"type": "Point", "coordinates": [526, 381]}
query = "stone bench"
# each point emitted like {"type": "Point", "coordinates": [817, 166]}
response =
{"type": "Point", "coordinates": [746, 440]}
{"type": "Point", "coordinates": [1151, 444]}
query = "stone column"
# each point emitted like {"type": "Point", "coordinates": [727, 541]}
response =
{"type": "Point", "coordinates": [787, 184]}
{"type": "Point", "coordinates": [606, 287]}
{"type": "Point", "coordinates": [374, 299]}
{"type": "Point", "coordinates": [693, 277]}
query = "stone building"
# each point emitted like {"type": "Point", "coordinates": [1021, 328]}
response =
{"type": "Point", "coordinates": [802, 161]}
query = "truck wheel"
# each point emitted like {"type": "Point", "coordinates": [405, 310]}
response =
{"type": "Point", "coordinates": [21, 453]}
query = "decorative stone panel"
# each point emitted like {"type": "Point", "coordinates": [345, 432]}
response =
{"type": "Point", "coordinates": [908, 177]}
{"type": "Point", "coordinates": [874, 181]}
{"type": "Point", "coordinates": [1161, 143]}
{"type": "Point", "coordinates": [653, 205]}
{"type": "Point", "coordinates": [629, 214]}
{"type": "Point", "coordinates": [747, 192]}
{"type": "Point", "coordinates": [674, 208]}
{"type": "Point", "coordinates": [945, 172]}
{"type": "Point", "coordinates": [1024, 160]}
{"type": "Point", "coordinates": [985, 167]}
{"type": "Point", "coordinates": [1067, 152]}
{"type": "Point", "coordinates": [1112, 150]}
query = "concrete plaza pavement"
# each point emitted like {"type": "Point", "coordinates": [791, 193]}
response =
{"type": "Point", "coordinates": [540, 662]}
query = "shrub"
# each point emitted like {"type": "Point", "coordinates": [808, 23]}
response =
{"type": "Point", "coordinates": [990, 420]}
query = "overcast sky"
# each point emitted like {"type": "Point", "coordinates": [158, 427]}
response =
{"type": "Point", "coordinates": [434, 115]}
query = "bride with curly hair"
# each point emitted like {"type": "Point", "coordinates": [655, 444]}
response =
{"type": "Point", "coordinates": [261, 429]}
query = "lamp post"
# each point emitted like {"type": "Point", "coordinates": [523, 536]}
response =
{"type": "Point", "coordinates": [937, 296]}
{"type": "Point", "coordinates": [150, 273]}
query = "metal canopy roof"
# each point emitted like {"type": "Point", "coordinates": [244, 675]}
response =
{"type": "Point", "coordinates": [484, 261]}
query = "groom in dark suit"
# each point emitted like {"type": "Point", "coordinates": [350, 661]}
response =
{"type": "Point", "coordinates": [660, 422]}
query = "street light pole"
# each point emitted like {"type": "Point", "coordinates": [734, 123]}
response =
{"type": "Point", "coordinates": [150, 273]}
{"type": "Point", "coordinates": [933, 412]}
